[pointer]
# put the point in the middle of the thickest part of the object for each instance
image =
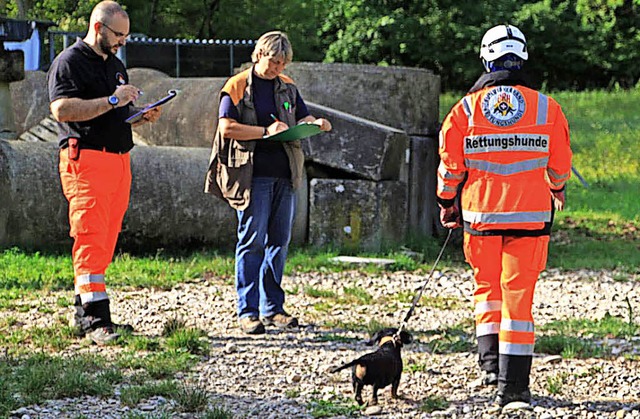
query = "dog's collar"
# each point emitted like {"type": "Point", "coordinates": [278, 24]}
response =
{"type": "Point", "coordinates": [387, 339]}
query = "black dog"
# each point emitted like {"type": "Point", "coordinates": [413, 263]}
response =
{"type": "Point", "coordinates": [379, 368]}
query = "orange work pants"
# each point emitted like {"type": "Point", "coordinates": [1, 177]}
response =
{"type": "Point", "coordinates": [506, 269]}
{"type": "Point", "coordinates": [97, 186]}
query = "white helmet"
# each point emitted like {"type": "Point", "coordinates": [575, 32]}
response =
{"type": "Point", "coordinates": [501, 40]}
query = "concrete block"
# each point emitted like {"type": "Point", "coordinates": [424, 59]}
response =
{"type": "Point", "coordinates": [400, 97]}
{"type": "Point", "coordinates": [190, 119]}
{"type": "Point", "coordinates": [362, 148]}
{"type": "Point", "coordinates": [423, 210]}
{"type": "Point", "coordinates": [356, 214]}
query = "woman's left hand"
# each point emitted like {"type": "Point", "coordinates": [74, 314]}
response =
{"type": "Point", "coordinates": [324, 124]}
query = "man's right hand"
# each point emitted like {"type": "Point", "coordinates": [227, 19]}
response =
{"type": "Point", "coordinates": [126, 94]}
{"type": "Point", "coordinates": [450, 217]}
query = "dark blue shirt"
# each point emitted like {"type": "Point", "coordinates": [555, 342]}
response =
{"type": "Point", "coordinates": [269, 157]}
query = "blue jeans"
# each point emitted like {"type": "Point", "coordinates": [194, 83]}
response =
{"type": "Point", "coordinates": [264, 232]}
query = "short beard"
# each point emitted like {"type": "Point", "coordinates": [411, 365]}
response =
{"type": "Point", "coordinates": [104, 46]}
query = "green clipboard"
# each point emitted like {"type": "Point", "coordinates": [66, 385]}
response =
{"type": "Point", "coordinates": [297, 132]}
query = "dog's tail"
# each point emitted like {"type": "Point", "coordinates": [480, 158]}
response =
{"type": "Point", "coordinates": [342, 367]}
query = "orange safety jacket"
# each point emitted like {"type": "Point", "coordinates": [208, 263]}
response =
{"type": "Point", "coordinates": [510, 146]}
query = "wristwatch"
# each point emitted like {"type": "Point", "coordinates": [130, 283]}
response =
{"type": "Point", "coordinates": [113, 101]}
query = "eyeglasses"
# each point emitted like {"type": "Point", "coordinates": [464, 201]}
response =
{"type": "Point", "coordinates": [116, 33]}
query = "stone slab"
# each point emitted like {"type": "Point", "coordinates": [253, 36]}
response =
{"type": "Point", "coordinates": [356, 214]}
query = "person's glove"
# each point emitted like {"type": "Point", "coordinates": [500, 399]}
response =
{"type": "Point", "coordinates": [450, 217]}
{"type": "Point", "coordinates": [558, 200]}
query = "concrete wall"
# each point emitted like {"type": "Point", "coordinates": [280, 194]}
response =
{"type": "Point", "coordinates": [30, 100]}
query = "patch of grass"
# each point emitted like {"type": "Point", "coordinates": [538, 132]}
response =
{"type": "Point", "coordinates": [318, 293]}
{"type": "Point", "coordinates": [172, 325]}
{"type": "Point", "coordinates": [292, 393]}
{"type": "Point", "coordinates": [158, 365]}
{"type": "Point", "coordinates": [132, 395]}
{"type": "Point", "coordinates": [608, 326]}
{"type": "Point", "coordinates": [458, 338]}
{"type": "Point", "coordinates": [433, 403]}
{"type": "Point", "coordinates": [357, 295]}
{"type": "Point", "coordinates": [217, 412]}
{"type": "Point", "coordinates": [192, 399]}
{"type": "Point", "coordinates": [555, 383]}
{"type": "Point", "coordinates": [191, 340]}
{"type": "Point", "coordinates": [440, 303]}
{"type": "Point", "coordinates": [342, 406]}
{"type": "Point", "coordinates": [413, 367]}
{"type": "Point", "coordinates": [568, 347]}
{"type": "Point", "coordinates": [137, 415]}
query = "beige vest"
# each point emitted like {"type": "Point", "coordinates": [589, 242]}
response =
{"type": "Point", "coordinates": [231, 162]}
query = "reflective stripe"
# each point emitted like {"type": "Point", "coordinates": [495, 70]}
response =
{"type": "Point", "coordinates": [507, 169]}
{"type": "Point", "coordinates": [467, 109]}
{"type": "Point", "coordinates": [92, 297]}
{"type": "Point", "coordinates": [560, 177]}
{"type": "Point", "coordinates": [445, 174]}
{"type": "Point", "coordinates": [488, 306]}
{"type": "Point", "coordinates": [516, 325]}
{"type": "Point", "coordinates": [444, 188]}
{"type": "Point", "coordinates": [89, 279]}
{"type": "Point", "coordinates": [506, 348]}
{"type": "Point", "coordinates": [90, 288]}
{"type": "Point", "coordinates": [484, 329]}
{"type": "Point", "coordinates": [543, 106]}
{"type": "Point", "coordinates": [487, 143]}
{"type": "Point", "coordinates": [506, 217]}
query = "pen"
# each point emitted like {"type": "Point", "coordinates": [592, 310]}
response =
{"type": "Point", "coordinates": [274, 118]}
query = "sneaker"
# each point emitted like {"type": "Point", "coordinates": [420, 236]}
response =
{"type": "Point", "coordinates": [251, 325]}
{"type": "Point", "coordinates": [281, 321]}
{"type": "Point", "coordinates": [490, 379]}
{"type": "Point", "coordinates": [102, 335]}
{"type": "Point", "coordinates": [504, 398]}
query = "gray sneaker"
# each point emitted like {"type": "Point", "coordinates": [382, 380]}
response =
{"type": "Point", "coordinates": [281, 321]}
{"type": "Point", "coordinates": [251, 325]}
{"type": "Point", "coordinates": [102, 336]}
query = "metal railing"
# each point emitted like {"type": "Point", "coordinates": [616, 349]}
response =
{"type": "Point", "coordinates": [232, 52]}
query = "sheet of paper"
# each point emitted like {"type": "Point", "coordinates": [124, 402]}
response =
{"type": "Point", "coordinates": [138, 115]}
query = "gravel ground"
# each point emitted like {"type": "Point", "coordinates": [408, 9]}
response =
{"type": "Point", "coordinates": [278, 375]}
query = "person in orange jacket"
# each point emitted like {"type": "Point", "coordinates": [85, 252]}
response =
{"type": "Point", "coordinates": [90, 98]}
{"type": "Point", "coordinates": [505, 158]}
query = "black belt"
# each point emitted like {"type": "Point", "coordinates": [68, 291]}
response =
{"type": "Point", "coordinates": [83, 146]}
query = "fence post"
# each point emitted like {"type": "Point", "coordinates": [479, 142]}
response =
{"type": "Point", "coordinates": [177, 58]}
{"type": "Point", "coordinates": [231, 59]}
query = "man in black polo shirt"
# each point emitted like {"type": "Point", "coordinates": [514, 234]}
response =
{"type": "Point", "coordinates": [90, 98]}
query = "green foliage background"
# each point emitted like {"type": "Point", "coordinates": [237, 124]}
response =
{"type": "Point", "coordinates": [573, 44]}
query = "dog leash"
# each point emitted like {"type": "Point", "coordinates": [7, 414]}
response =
{"type": "Point", "coordinates": [416, 298]}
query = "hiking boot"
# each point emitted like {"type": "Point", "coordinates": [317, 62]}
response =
{"type": "Point", "coordinates": [251, 325]}
{"type": "Point", "coordinates": [102, 335]}
{"type": "Point", "coordinates": [281, 321]}
{"type": "Point", "coordinates": [504, 398]}
{"type": "Point", "coordinates": [490, 379]}
{"type": "Point", "coordinates": [78, 331]}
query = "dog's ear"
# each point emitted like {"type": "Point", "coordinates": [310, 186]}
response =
{"type": "Point", "coordinates": [406, 337]}
{"type": "Point", "coordinates": [375, 338]}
